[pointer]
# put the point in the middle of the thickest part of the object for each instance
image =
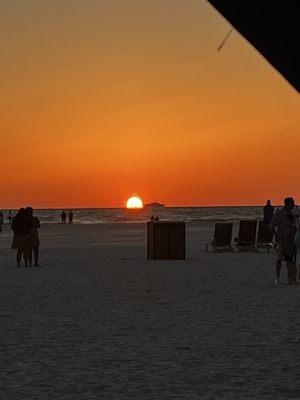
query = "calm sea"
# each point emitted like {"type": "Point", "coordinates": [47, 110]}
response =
{"type": "Point", "coordinates": [104, 215]}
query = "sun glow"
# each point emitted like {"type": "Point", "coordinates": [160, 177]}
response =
{"type": "Point", "coordinates": [134, 202]}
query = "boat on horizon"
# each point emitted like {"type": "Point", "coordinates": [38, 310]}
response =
{"type": "Point", "coordinates": [154, 207]}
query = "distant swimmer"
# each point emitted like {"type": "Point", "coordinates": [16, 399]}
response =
{"type": "Point", "coordinates": [71, 217]}
{"type": "Point", "coordinates": [63, 217]}
{"type": "Point", "coordinates": [34, 241]}
{"type": "Point", "coordinates": [268, 212]}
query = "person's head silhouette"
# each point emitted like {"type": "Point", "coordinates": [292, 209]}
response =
{"type": "Point", "coordinates": [29, 211]}
{"type": "Point", "coordinates": [289, 203]}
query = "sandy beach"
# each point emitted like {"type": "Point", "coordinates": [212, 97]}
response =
{"type": "Point", "coordinates": [99, 321]}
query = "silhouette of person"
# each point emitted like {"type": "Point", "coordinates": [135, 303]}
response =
{"type": "Point", "coordinates": [71, 217]}
{"type": "Point", "coordinates": [268, 212]}
{"type": "Point", "coordinates": [21, 225]}
{"type": "Point", "coordinates": [152, 218]}
{"type": "Point", "coordinates": [157, 218]}
{"type": "Point", "coordinates": [34, 243]}
{"type": "Point", "coordinates": [63, 217]}
{"type": "Point", "coordinates": [296, 213]}
{"type": "Point", "coordinates": [9, 217]}
{"type": "Point", "coordinates": [283, 225]}
{"type": "Point", "coordinates": [1, 220]}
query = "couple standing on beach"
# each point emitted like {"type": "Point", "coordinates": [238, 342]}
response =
{"type": "Point", "coordinates": [26, 237]}
{"type": "Point", "coordinates": [285, 227]}
{"type": "Point", "coordinates": [63, 216]}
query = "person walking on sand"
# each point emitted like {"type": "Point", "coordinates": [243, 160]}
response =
{"type": "Point", "coordinates": [34, 242]}
{"type": "Point", "coordinates": [9, 217]}
{"type": "Point", "coordinates": [71, 217]}
{"type": "Point", "coordinates": [21, 225]}
{"type": "Point", "coordinates": [63, 217]}
{"type": "Point", "coordinates": [268, 212]}
{"type": "Point", "coordinates": [284, 229]}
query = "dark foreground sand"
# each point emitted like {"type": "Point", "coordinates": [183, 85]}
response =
{"type": "Point", "coordinates": [98, 321]}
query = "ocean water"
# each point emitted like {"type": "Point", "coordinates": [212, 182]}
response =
{"type": "Point", "coordinates": [121, 215]}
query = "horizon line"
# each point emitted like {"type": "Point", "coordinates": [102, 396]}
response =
{"type": "Point", "coordinates": [123, 207]}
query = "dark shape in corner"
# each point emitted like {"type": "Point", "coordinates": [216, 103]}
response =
{"type": "Point", "coordinates": [273, 28]}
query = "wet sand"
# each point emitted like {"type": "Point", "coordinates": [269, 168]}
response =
{"type": "Point", "coordinates": [99, 321]}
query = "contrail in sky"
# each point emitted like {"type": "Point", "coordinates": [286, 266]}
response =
{"type": "Point", "coordinates": [225, 40]}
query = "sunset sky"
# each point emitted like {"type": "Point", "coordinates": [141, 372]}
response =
{"type": "Point", "coordinates": [101, 100]}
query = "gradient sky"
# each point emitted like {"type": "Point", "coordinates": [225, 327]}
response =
{"type": "Point", "coordinates": [103, 99]}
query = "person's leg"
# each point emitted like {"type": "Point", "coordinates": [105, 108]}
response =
{"type": "Point", "coordinates": [25, 256]}
{"type": "Point", "coordinates": [297, 264]}
{"type": "Point", "coordinates": [289, 271]}
{"type": "Point", "coordinates": [292, 272]}
{"type": "Point", "coordinates": [36, 255]}
{"type": "Point", "coordinates": [30, 255]}
{"type": "Point", "coordinates": [19, 256]}
{"type": "Point", "coordinates": [278, 269]}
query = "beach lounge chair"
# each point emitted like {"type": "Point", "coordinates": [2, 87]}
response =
{"type": "Point", "coordinates": [222, 237]}
{"type": "Point", "coordinates": [264, 236]}
{"type": "Point", "coordinates": [246, 239]}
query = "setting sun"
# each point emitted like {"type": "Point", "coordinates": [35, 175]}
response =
{"type": "Point", "coordinates": [134, 202]}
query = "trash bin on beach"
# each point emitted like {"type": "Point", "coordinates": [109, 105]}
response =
{"type": "Point", "coordinates": [165, 240]}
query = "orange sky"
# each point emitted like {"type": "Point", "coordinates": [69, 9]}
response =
{"type": "Point", "coordinates": [104, 99]}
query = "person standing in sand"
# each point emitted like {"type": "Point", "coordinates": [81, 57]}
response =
{"type": "Point", "coordinates": [9, 217]}
{"type": "Point", "coordinates": [34, 242]}
{"type": "Point", "coordinates": [63, 217]}
{"type": "Point", "coordinates": [71, 217]}
{"type": "Point", "coordinates": [297, 237]}
{"type": "Point", "coordinates": [21, 225]}
{"type": "Point", "coordinates": [1, 220]}
{"type": "Point", "coordinates": [284, 228]}
{"type": "Point", "coordinates": [268, 212]}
